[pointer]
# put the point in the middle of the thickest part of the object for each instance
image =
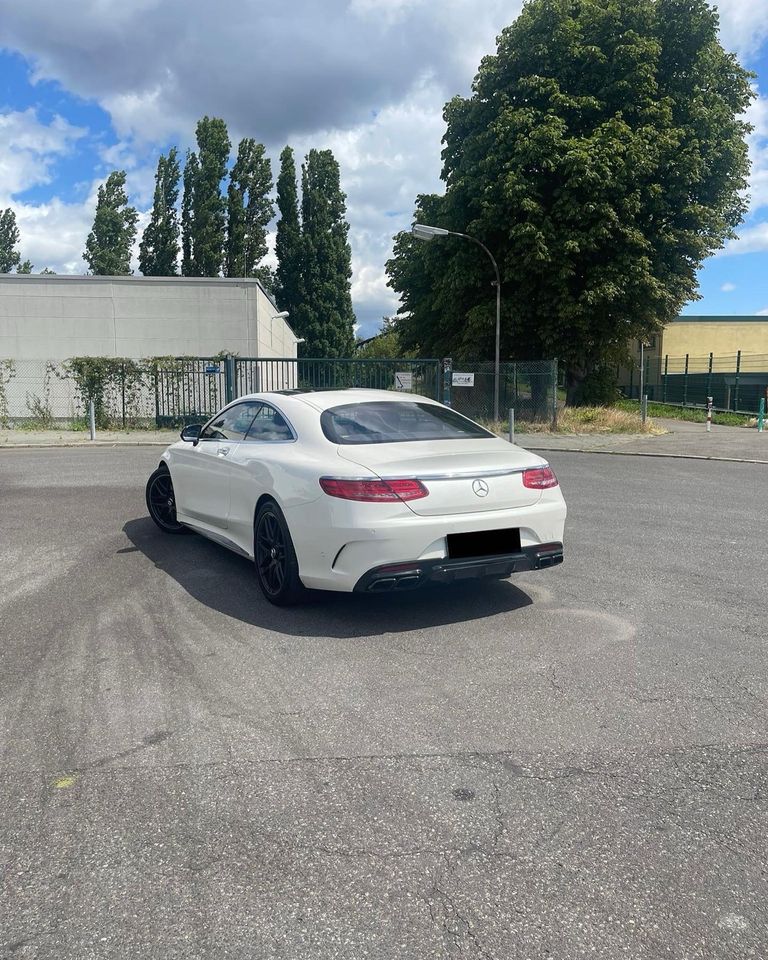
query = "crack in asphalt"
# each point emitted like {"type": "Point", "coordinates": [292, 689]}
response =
{"type": "Point", "coordinates": [445, 913]}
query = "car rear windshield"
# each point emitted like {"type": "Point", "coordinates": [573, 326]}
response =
{"type": "Point", "coordinates": [383, 421]}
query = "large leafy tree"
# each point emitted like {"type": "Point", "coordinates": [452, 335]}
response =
{"type": "Point", "coordinates": [602, 158]}
{"type": "Point", "coordinates": [249, 211]}
{"type": "Point", "coordinates": [159, 247]}
{"type": "Point", "coordinates": [204, 208]}
{"type": "Point", "coordinates": [323, 315]}
{"type": "Point", "coordinates": [288, 240]}
{"type": "Point", "coordinates": [9, 237]}
{"type": "Point", "coordinates": [108, 247]}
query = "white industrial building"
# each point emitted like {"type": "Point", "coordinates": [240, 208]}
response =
{"type": "Point", "coordinates": [46, 320]}
{"type": "Point", "coordinates": [56, 317]}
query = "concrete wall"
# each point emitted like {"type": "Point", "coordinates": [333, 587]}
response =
{"type": "Point", "coordinates": [53, 318]}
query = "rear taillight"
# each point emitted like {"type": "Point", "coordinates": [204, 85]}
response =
{"type": "Point", "coordinates": [539, 478]}
{"type": "Point", "coordinates": [372, 491]}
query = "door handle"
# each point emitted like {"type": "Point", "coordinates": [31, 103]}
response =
{"type": "Point", "coordinates": [222, 452]}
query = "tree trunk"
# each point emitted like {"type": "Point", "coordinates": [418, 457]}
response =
{"type": "Point", "coordinates": [574, 382]}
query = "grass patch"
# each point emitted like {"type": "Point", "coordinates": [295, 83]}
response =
{"type": "Point", "coordinates": [690, 414]}
{"type": "Point", "coordinates": [572, 420]}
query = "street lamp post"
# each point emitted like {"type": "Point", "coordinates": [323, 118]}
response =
{"type": "Point", "coordinates": [423, 232]}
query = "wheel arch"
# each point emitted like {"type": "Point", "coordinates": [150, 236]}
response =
{"type": "Point", "coordinates": [265, 498]}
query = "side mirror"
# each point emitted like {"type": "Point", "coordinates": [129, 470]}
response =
{"type": "Point", "coordinates": [191, 433]}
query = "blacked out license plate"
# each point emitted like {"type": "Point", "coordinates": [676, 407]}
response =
{"type": "Point", "coordinates": [483, 543]}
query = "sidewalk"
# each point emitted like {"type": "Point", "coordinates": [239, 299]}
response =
{"type": "Point", "coordinates": [683, 440]}
{"type": "Point", "coordinates": [81, 438]}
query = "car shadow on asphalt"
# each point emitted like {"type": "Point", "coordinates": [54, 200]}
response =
{"type": "Point", "coordinates": [226, 582]}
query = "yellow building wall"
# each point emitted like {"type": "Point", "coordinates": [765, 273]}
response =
{"type": "Point", "coordinates": [723, 338]}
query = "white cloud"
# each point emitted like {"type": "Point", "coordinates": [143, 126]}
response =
{"type": "Point", "coordinates": [29, 147]}
{"type": "Point", "coordinates": [384, 164]}
{"type": "Point", "coordinates": [763, 312]}
{"type": "Point", "coordinates": [743, 26]}
{"type": "Point", "coordinates": [157, 67]}
{"type": "Point", "coordinates": [757, 115]}
{"type": "Point", "coordinates": [120, 155]}
{"type": "Point", "coordinates": [53, 234]}
{"type": "Point", "coordinates": [728, 287]}
{"type": "Point", "coordinates": [50, 232]}
{"type": "Point", "coordinates": [753, 239]}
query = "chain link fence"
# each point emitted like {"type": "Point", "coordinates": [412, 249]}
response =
{"type": "Point", "coordinates": [172, 391]}
{"type": "Point", "coordinates": [736, 382]}
{"type": "Point", "coordinates": [527, 387]}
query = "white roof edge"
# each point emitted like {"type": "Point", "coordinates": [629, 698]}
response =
{"type": "Point", "coordinates": [140, 278]}
{"type": "Point", "coordinates": [322, 399]}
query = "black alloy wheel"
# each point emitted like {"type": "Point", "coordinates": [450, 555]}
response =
{"type": "Point", "coordinates": [161, 502]}
{"type": "Point", "coordinates": [277, 568]}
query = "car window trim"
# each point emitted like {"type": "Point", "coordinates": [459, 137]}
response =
{"type": "Point", "coordinates": [268, 403]}
{"type": "Point", "coordinates": [240, 402]}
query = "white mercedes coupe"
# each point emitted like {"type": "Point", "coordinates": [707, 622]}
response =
{"type": "Point", "coordinates": [359, 490]}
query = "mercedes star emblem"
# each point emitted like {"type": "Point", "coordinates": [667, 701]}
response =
{"type": "Point", "coordinates": [480, 488]}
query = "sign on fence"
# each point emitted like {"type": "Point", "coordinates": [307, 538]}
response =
{"type": "Point", "coordinates": [463, 380]}
{"type": "Point", "coordinates": [404, 381]}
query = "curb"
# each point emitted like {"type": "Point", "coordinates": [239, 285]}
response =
{"type": "Point", "coordinates": [111, 444]}
{"type": "Point", "coordinates": [641, 453]}
{"type": "Point", "coordinates": [88, 445]}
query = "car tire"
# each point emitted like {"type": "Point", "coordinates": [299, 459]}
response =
{"type": "Point", "coordinates": [161, 502]}
{"type": "Point", "coordinates": [277, 568]}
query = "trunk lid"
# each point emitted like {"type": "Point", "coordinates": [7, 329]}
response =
{"type": "Point", "coordinates": [449, 470]}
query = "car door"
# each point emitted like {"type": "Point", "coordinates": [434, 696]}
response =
{"type": "Point", "coordinates": [201, 471]}
{"type": "Point", "coordinates": [256, 469]}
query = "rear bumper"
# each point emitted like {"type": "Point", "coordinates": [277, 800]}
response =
{"type": "Point", "coordinates": [410, 576]}
{"type": "Point", "coordinates": [337, 542]}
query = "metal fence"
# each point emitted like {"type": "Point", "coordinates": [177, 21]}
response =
{"type": "Point", "coordinates": [171, 391]}
{"type": "Point", "coordinates": [735, 382]}
{"type": "Point", "coordinates": [253, 375]}
{"type": "Point", "coordinates": [48, 394]}
{"type": "Point", "coordinates": [529, 388]}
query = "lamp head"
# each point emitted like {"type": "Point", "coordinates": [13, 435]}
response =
{"type": "Point", "coordinates": [424, 232]}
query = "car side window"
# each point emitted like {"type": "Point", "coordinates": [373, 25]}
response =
{"type": "Point", "coordinates": [232, 423]}
{"type": "Point", "coordinates": [269, 426]}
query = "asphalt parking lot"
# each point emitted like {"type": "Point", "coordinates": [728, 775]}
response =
{"type": "Point", "coordinates": [571, 764]}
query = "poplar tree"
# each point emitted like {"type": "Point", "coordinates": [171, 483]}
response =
{"type": "Point", "coordinates": [324, 315]}
{"type": "Point", "coordinates": [288, 241]}
{"type": "Point", "coordinates": [249, 211]}
{"type": "Point", "coordinates": [209, 208]}
{"type": "Point", "coordinates": [9, 237]}
{"type": "Point", "coordinates": [191, 168]}
{"type": "Point", "coordinates": [109, 244]}
{"type": "Point", "coordinates": [159, 248]}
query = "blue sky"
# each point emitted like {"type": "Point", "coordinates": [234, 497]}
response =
{"type": "Point", "coordinates": [117, 84]}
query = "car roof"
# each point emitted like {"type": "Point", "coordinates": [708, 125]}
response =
{"type": "Point", "coordinates": [324, 399]}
